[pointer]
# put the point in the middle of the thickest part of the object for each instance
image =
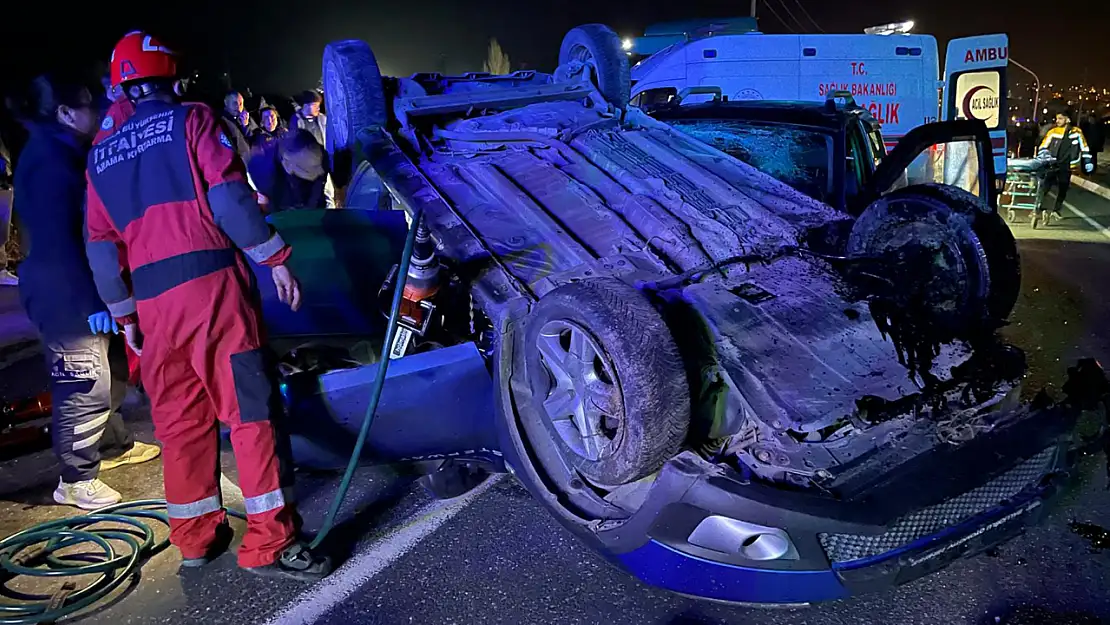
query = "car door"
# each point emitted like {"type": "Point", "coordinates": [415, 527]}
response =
{"type": "Point", "coordinates": [957, 152]}
{"type": "Point", "coordinates": [975, 86]}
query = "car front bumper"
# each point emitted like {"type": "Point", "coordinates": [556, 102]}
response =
{"type": "Point", "coordinates": [840, 548]}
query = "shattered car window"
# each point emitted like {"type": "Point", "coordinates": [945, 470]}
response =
{"type": "Point", "coordinates": [799, 157]}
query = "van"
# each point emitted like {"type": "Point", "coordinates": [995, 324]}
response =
{"type": "Point", "coordinates": [894, 77]}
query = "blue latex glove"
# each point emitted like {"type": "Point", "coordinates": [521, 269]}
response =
{"type": "Point", "coordinates": [103, 323]}
{"type": "Point", "coordinates": [1089, 167]}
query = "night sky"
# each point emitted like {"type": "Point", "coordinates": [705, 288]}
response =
{"type": "Point", "coordinates": [275, 46]}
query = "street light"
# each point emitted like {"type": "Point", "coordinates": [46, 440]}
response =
{"type": "Point", "coordinates": [897, 28]}
{"type": "Point", "coordinates": [1037, 93]}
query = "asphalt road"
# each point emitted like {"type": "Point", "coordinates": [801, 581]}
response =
{"type": "Point", "coordinates": [496, 556]}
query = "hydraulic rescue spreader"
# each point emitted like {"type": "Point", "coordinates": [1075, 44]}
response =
{"type": "Point", "coordinates": [418, 292]}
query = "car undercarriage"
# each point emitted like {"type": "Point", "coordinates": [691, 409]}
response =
{"type": "Point", "coordinates": [684, 353]}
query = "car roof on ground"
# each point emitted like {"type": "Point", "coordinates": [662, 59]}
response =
{"type": "Point", "coordinates": [772, 111]}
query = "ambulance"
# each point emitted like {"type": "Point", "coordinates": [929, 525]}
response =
{"type": "Point", "coordinates": [894, 75]}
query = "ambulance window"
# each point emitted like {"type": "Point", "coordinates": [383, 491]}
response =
{"type": "Point", "coordinates": [655, 97]}
{"type": "Point", "coordinates": [978, 95]}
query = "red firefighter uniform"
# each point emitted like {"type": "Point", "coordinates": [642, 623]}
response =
{"type": "Point", "coordinates": [168, 187]}
{"type": "Point", "coordinates": [119, 112]}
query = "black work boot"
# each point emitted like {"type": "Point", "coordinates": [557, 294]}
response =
{"type": "Point", "coordinates": [296, 562]}
{"type": "Point", "coordinates": [224, 535]}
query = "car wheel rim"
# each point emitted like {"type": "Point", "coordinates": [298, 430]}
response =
{"type": "Point", "coordinates": [582, 55]}
{"type": "Point", "coordinates": [583, 402]}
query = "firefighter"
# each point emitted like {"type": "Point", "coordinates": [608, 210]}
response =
{"type": "Point", "coordinates": [169, 187]}
{"type": "Point", "coordinates": [1067, 145]}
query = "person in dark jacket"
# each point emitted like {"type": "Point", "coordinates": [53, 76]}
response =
{"type": "Point", "coordinates": [1096, 139]}
{"type": "Point", "coordinates": [88, 366]}
{"type": "Point", "coordinates": [291, 172]}
{"type": "Point", "coordinates": [271, 129]}
{"type": "Point", "coordinates": [236, 131]}
{"type": "Point", "coordinates": [309, 117]}
{"type": "Point", "coordinates": [7, 278]}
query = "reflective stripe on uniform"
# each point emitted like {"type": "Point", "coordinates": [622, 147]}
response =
{"type": "Point", "coordinates": [95, 426]}
{"type": "Point", "coordinates": [92, 424]}
{"type": "Point", "coordinates": [266, 249]}
{"type": "Point", "coordinates": [265, 502]}
{"type": "Point", "coordinates": [122, 309]}
{"type": "Point", "coordinates": [88, 442]}
{"type": "Point", "coordinates": [195, 509]}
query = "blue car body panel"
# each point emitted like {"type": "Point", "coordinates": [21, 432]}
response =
{"type": "Point", "coordinates": [437, 404]}
{"type": "Point", "coordinates": [659, 565]}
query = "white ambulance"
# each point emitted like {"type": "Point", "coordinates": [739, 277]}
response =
{"type": "Point", "coordinates": [894, 76]}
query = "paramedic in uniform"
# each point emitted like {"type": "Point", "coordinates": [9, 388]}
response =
{"type": "Point", "coordinates": [169, 188]}
{"type": "Point", "coordinates": [1068, 146]}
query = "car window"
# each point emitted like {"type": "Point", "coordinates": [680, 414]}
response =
{"type": "Point", "coordinates": [878, 148]}
{"type": "Point", "coordinates": [800, 157]}
{"type": "Point", "coordinates": [655, 97]}
{"type": "Point", "coordinates": [859, 164]}
{"type": "Point", "coordinates": [954, 163]}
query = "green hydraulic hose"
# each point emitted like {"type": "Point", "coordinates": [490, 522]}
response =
{"type": "Point", "coordinates": [39, 545]}
{"type": "Point", "coordinates": [379, 381]}
{"type": "Point", "coordinates": [35, 552]}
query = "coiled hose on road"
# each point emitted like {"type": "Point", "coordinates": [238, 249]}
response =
{"type": "Point", "coordinates": [34, 552]}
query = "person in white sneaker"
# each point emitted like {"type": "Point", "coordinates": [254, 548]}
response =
{"type": "Point", "coordinates": [87, 361]}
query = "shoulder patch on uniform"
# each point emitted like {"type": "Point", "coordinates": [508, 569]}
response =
{"type": "Point", "coordinates": [225, 141]}
{"type": "Point", "coordinates": [107, 123]}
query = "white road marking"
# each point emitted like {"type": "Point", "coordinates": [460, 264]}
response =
{"type": "Point", "coordinates": [1094, 224]}
{"type": "Point", "coordinates": [314, 603]}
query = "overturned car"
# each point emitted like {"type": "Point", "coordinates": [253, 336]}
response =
{"type": "Point", "coordinates": [727, 388]}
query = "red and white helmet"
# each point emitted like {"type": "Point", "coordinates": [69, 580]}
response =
{"type": "Point", "coordinates": [139, 56]}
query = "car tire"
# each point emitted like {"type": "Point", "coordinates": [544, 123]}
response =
{"type": "Point", "coordinates": [982, 238]}
{"type": "Point", "coordinates": [999, 245]}
{"type": "Point", "coordinates": [599, 47]}
{"type": "Point", "coordinates": [634, 410]}
{"type": "Point", "coordinates": [353, 94]}
{"type": "Point", "coordinates": [453, 479]}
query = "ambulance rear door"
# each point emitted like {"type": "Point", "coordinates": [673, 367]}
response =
{"type": "Point", "coordinates": [975, 87]}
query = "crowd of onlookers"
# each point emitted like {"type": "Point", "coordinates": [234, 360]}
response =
{"type": "Point", "coordinates": [255, 131]}
{"type": "Point", "coordinates": [286, 158]}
